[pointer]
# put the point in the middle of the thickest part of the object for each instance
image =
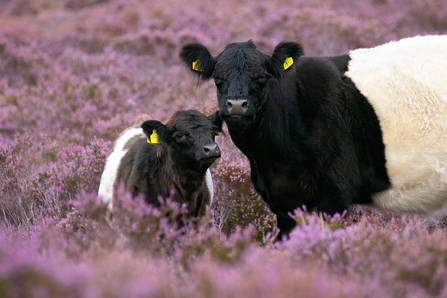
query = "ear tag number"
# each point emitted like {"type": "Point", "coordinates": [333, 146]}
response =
{"type": "Point", "coordinates": [288, 62]}
{"type": "Point", "coordinates": [153, 139]}
{"type": "Point", "coordinates": [195, 66]}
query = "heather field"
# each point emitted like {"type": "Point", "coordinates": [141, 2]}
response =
{"type": "Point", "coordinates": [75, 73]}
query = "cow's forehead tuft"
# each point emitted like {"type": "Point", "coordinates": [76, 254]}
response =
{"type": "Point", "coordinates": [243, 56]}
{"type": "Point", "coordinates": [241, 45]}
{"type": "Point", "coordinates": [188, 120]}
{"type": "Point", "coordinates": [246, 50]}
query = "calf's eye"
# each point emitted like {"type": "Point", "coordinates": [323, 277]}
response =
{"type": "Point", "coordinates": [180, 137]}
{"type": "Point", "coordinates": [261, 81]}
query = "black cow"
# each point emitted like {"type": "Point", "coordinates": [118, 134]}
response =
{"type": "Point", "coordinates": [312, 136]}
{"type": "Point", "coordinates": [153, 158]}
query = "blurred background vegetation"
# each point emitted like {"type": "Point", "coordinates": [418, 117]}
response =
{"type": "Point", "coordinates": [75, 73]}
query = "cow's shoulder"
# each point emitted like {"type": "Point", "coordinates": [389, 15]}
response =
{"type": "Point", "coordinates": [317, 72]}
{"type": "Point", "coordinates": [138, 153]}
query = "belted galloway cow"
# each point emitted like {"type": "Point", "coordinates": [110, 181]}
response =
{"type": "Point", "coordinates": [368, 127]}
{"type": "Point", "coordinates": [154, 158]}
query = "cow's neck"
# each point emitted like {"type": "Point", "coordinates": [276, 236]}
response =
{"type": "Point", "coordinates": [274, 134]}
{"type": "Point", "coordinates": [163, 174]}
{"type": "Point", "coordinates": [269, 143]}
{"type": "Point", "coordinates": [188, 185]}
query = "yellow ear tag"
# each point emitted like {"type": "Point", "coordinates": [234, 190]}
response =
{"type": "Point", "coordinates": [195, 66]}
{"type": "Point", "coordinates": [288, 62]}
{"type": "Point", "coordinates": [153, 139]}
{"type": "Point", "coordinates": [217, 133]}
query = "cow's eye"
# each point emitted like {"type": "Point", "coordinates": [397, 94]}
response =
{"type": "Point", "coordinates": [180, 137]}
{"type": "Point", "coordinates": [261, 80]}
{"type": "Point", "coordinates": [220, 84]}
{"type": "Point", "coordinates": [258, 83]}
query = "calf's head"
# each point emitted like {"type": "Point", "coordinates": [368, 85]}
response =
{"type": "Point", "coordinates": [189, 136]}
{"type": "Point", "coordinates": [242, 75]}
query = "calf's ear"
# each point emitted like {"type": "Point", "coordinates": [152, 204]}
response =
{"type": "Point", "coordinates": [198, 59]}
{"type": "Point", "coordinates": [155, 131]}
{"type": "Point", "coordinates": [216, 122]}
{"type": "Point", "coordinates": [283, 58]}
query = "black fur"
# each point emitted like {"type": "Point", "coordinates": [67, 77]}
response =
{"type": "Point", "coordinates": [177, 163]}
{"type": "Point", "coordinates": [341, 62]}
{"type": "Point", "coordinates": [216, 122]}
{"type": "Point", "coordinates": [311, 137]}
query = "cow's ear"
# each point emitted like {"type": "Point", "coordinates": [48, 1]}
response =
{"type": "Point", "coordinates": [216, 122]}
{"type": "Point", "coordinates": [155, 131]}
{"type": "Point", "coordinates": [283, 58]}
{"type": "Point", "coordinates": [198, 59]}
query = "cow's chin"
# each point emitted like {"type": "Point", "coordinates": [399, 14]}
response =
{"type": "Point", "coordinates": [238, 122]}
{"type": "Point", "coordinates": [205, 163]}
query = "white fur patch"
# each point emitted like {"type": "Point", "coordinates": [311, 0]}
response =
{"type": "Point", "coordinates": [406, 84]}
{"type": "Point", "coordinates": [209, 184]}
{"type": "Point", "coordinates": [108, 177]}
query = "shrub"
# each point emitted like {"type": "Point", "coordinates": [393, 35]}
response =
{"type": "Point", "coordinates": [75, 74]}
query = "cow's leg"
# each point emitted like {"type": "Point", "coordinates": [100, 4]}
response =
{"type": "Point", "coordinates": [285, 224]}
{"type": "Point", "coordinates": [331, 199]}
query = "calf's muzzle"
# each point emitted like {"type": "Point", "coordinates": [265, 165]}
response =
{"type": "Point", "coordinates": [211, 150]}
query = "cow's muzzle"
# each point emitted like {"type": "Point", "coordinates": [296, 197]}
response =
{"type": "Point", "coordinates": [211, 150]}
{"type": "Point", "coordinates": [237, 107]}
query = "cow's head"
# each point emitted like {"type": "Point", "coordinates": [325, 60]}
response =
{"type": "Point", "coordinates": [190, 137]}
{"type": "Point", "coordinates": [242, 74]}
